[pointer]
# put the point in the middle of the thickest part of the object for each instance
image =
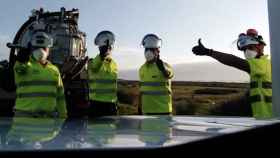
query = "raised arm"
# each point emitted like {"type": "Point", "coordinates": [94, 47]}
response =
{"type": "Point", "coordinates": [165, 69]}
{"type": "Point", "coordinates": [224, 58]}
{"type": "Point", "coordinates": [95, 64]}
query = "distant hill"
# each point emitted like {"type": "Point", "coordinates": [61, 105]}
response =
{"type": "Point", "coordinates": [204, 71]}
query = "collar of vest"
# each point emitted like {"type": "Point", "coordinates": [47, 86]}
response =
{"type": "Point", "coordinates": [33, 60]}
{"type": "Point", "coordinates": [264, 57]}
{"type": "Point", "coordinates": [150, 63]}
{"type": "Point", "coordinates": [108, 59]}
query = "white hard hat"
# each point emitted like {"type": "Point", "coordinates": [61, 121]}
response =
{"type": "Point", "coordinates": [244, 40]}
{"type": "Point", "coordinates": [104, 38]}
{"type": "Point", "coordinates": [41, 40]}
{"type": "Point", "coordinates": [151, 41]}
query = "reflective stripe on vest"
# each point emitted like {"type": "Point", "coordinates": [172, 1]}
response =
{"type": "Point", "coordinates": [37, 83]}
{"type": "Point", "coordinates": [19, 113]}
{"type": "Point", "coordinates": [265, 85]}
{"type": "Point", "coordinates": [155, 93]}
{"type": "Point", "coordinates": [104, 91]}
{"type": "Point", "coordinates": [257, 98]}
{"type": "Point", "coordinates": [36, 94]}
{"type": "Point", "coordinates": [154, 83]}
{"type": "Point", "coordinates": [103, 81]}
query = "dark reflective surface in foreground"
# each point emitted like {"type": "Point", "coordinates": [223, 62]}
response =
{"type": "Point", "coordinates": [18, 134]}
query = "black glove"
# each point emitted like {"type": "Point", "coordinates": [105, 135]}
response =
{"type": "Point", "coordinates": [201, 50]}
{"type": "Point", "coordinates": [23, 55]}
{"type": "Point", "coordinates": [161, 67]}
{"type": "Point", "coordinates": [103, 52]}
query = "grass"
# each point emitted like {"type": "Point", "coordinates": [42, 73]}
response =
{"type": "Point", "coordinates": [193, 98]}
{"type": "Point", "coordinates": [189, 98]}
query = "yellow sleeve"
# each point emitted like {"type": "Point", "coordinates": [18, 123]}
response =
{"type": "Point", "coordinates": [115, 67]}
{"type": "Point", "coordinates": [21, 68]}
{"type": "Point", "coordinates": [95, 64]}
{"type": "Point", "coordinates": [169, 70]}
{"type": "Point", "coordinates": [141, 73]}
{"type": "Point", "coordinates": [61, 105]}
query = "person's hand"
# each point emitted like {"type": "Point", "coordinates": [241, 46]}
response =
{"type": "Point", "coordinates": [23, 55]}
{"type": "Point", "coordinates": [200, 49]}
{"type": "Point", "coordinates": [103, 52]}
{"type": "Point", "coordinates": [162, 68]}
{"type": "Point", "coordinates": [160, 64]}
{"type": "Point", "coordinates": [102, 56]}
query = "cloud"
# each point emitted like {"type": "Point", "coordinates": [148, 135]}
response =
{"type": "Point", "coordinates": [128, 57]}
{"type": "Point", "coordinates": [185, 58]}
{"type": "Point", "coordinates": [187, 67]}
{"type": "Point", "coordinates": [3, 49]}
{"type": "Point", "coordinates": [128, 50]}
{"type": "Point", "coordinates": [209, 71]}
{"type": "Point", "coordinates": [199, 71]}
{"type": "Point", "coordinates": [132, 58]}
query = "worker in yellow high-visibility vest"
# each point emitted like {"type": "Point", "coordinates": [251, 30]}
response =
{"type": "Point", "coordinates": [103, 74]}
{"type": "Point", "coordinates": [39, 87]}
{"type": "Point", "coordinates": [155, 80]}
{"type": "Point", "coordinates": [155, 132]}
{"type": "Point", "coordinates": [32, 132]}
{"type": "Point", "coordinates": [257, 65]}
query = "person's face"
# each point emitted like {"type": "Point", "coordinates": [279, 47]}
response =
{"type": "Point", "coordinates": [154, 50]}
{"type": "Point", "coordinates": [258, 48]}
{"type": "Point", "coordinates": [252, 47]}
{"type": "Point", "coordinates": [157, 52]}
{"type": "Point", "coordinates": [105, 49]}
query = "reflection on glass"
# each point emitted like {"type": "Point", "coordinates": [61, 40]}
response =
{"type": "Point", "coordinates": [72, 135]}
{"type": "Point", "coordinates": [32, 133]}
{"type": "Point", "coordinates": [155, 131]}
{"type": "Point", "coordinates": [19, 133]}
{"type": "Point", "coordinates": [5, 125]}
{"type": "Point", "coordinates": [101, 132]}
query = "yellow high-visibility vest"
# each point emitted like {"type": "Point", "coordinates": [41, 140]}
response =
{"type": "Point", "coordinates": [39, 88]}
{"type": "Point", "coordinates": [155, 89]}
{"type": "Point", "coordinates": [103, 79]}
{"type": "Point", "coordinates": [30, 130]}
{"type": "Point", "coordinates": [261, 87]}
{"type": "Point", "coordinates": [101, 133]}
{"type": "Point", "coordinates": [155, 131]}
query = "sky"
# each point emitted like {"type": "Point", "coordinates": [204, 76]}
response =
{"type": "Point", "coordinates": [179, 23]}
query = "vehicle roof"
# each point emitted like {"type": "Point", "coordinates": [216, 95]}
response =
{"type": "Point", "coordinates": [21, 134]}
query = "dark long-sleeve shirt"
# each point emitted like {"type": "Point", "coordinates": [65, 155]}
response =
{"type": "Point", "coordinates": [231, 60]}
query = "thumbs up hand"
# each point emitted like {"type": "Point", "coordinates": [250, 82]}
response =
{"type": "Point", "coordinates": [200, 49]}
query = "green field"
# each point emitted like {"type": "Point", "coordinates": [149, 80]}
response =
{"type": "Point", "coordinates": [193, 98]}
{"type": "Point", "coordinates": [189, 98]}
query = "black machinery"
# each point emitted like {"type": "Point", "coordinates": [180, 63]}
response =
{"type": "Point", "coordinates": [68, 54]}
